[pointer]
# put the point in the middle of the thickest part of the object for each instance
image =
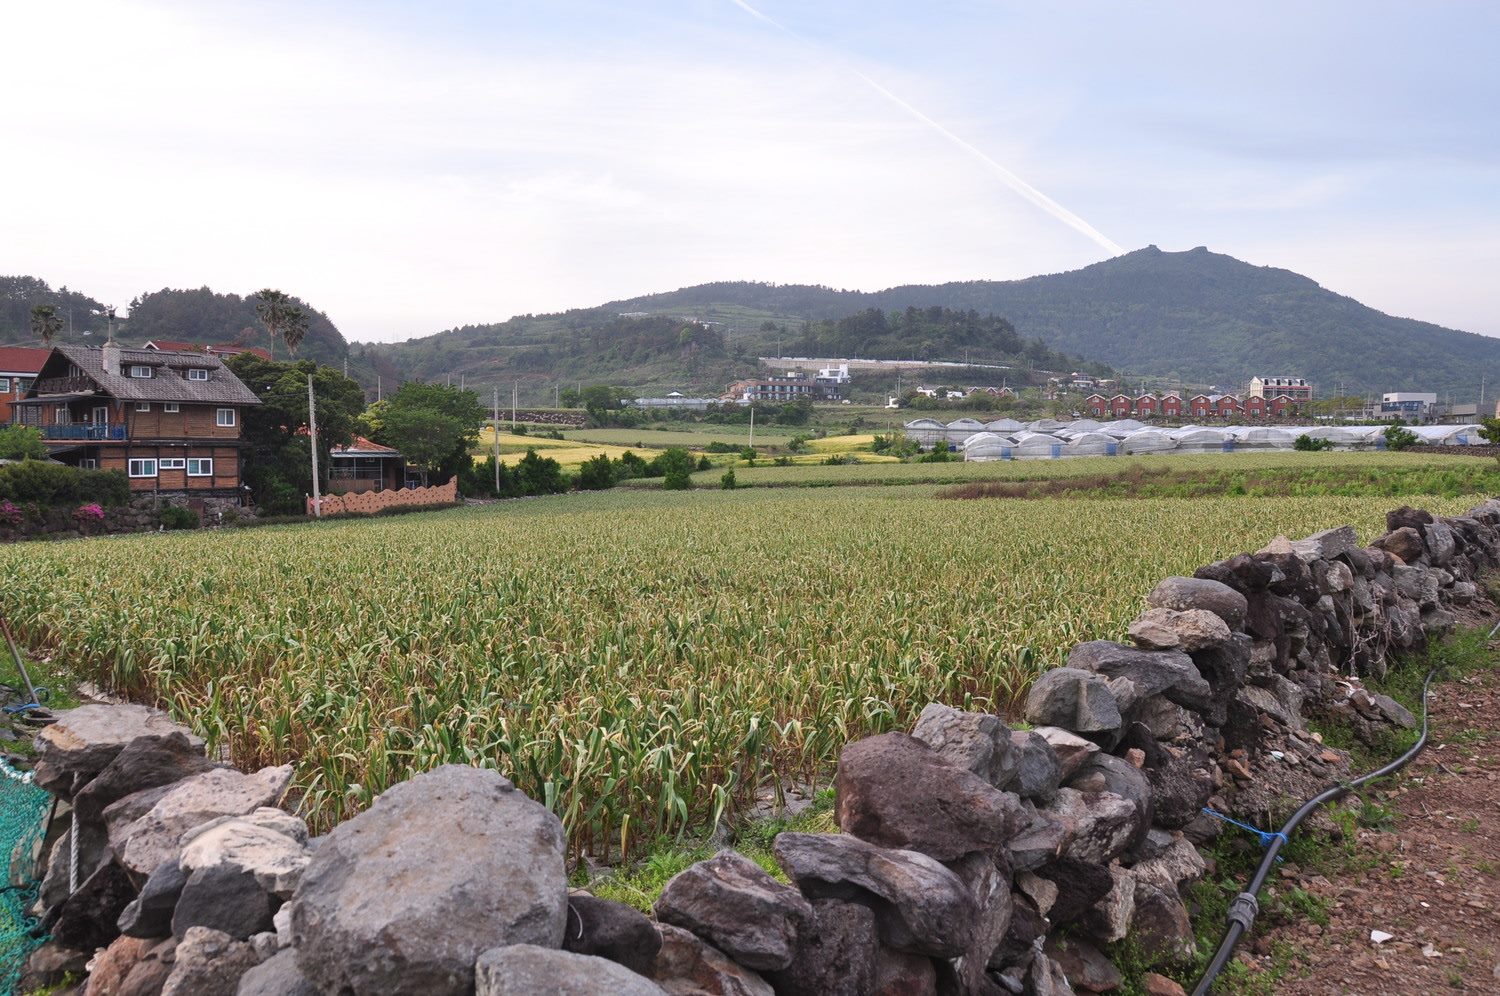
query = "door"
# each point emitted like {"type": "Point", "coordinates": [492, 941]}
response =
{"type": "Point", "coordinates": [101, 415]}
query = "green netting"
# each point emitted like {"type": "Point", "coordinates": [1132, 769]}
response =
{"type": "Point", "coordinates": [23, 820]}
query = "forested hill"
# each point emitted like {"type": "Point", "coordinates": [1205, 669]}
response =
{"type": "Point", "coordinates": [1198, 315]}
{"type": "Point", "coordinates": [201, 317]}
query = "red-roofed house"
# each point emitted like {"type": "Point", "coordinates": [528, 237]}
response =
{"type": "Point", "coordinates": [19, 366]}
{"type": "Point", "coordinates": [1255, 407]}
{"type": "Point", "coordinates": [1145, 406]}
{"type": "Point", "coordinates": [1098, 405]}
{"type": "Point", "coordinates": [1171, 406]}
{"type": "Point", "coordinates": [1122, 406]}
{"type": "Point", "coordinates": [1202, 405]}
{"type": "Point", "coordinates": [1228, 405]}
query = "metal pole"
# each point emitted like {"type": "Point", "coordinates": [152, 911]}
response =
{"type": "Point", "coordinates": [752, 423]}
{"type": "Point", "coordinates": [312, 428]}
{"type": "Point", "coordinates": [514, 387]}
{"type": "Point", "coordinates": [495, 400]}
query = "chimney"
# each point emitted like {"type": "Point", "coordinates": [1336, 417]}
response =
{"type": "Point", "coordinates": [111, 358]}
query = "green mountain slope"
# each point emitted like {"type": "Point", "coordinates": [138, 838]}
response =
{"type": "Point", "coordinates": [1198, 315]}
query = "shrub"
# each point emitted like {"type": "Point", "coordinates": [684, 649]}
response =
{"type": "Point", "coordinates": [704, 463]}
{"type": "Point", "coordinates": [1308, 444]}
{"type": "Point", "coordinates": [596, 474]}
{"type": "Point", "coordinates": [727, 481]}
{"type": "Point", "coordinates": [537, 475]}
{"type": "Point", "coordinates": [21, 442]}
{"type": "Point", "coordinates": [677, 480]}
{"type": "Point", "coordinates": [718, 446]}
{"type": "Point", "coordinates": [629, 466]}
{"type": "Point", "coordinates": [55, 484]}
{"type": "Point", "coordinates": [177, 517]}
{"type": "Point", "coordinates": [1399, 437]}
{"type": "Point", "coordinates": [748, 453]}
{"type": "Point", "coordinates": [668, 461]}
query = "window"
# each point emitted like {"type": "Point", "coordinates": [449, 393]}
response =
{"type": "Point", "coordinates": [4, 385]}
{"type": "Point", "coordinates": [200, 467]}
{"type": "Point", "coordinates": [197, 373]}
{"type": "Point", "coordinates": [171, 463]}
{"type": "Point", "coordinates": [88, 463]}
{"type": "Point", "coordinates": [142, 468]}
{"type": "Point", "coordinates": [225, 418]}
{"type": "Point", "coordinates": [62, 416]}
{"type": "Point", "coordinates": [143, 406]}
{"type": "Point", "coordinates": [141, 370]}
{"type": "Point", "coordinates": [24, 383]}
{"type": "Point", "coordinates": [171, 406]}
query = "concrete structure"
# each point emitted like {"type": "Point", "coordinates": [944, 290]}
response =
{"type": "Point", "coordinates": [1408, 405]}
{"type": "Point", "coordinates": [1296, 388]}
{"type": "Point", "coordinates": [675, 400]}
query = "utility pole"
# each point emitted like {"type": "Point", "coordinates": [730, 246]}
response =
{"type": "Point", "coordinates": [495, 458]}
{"type": "Point", "coordinates": [752, 425]}
{"type": "Point", "coordinates": [514, 387]}
{"type": "Point", "coordinates": [312, 428]}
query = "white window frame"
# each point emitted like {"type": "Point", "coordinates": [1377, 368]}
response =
{"type": "Point", "coordinates": [200, 472]}
{"type": "Point", "coordinates": [88, 463]}
{"type": "Point", "coordinates": [131, 467]}
{"type": "Point", "coordinates": [197, 373]}
{"type": "Point", "coordinates": [4, 385]}
{"type": "Point", "coordinates": [141, 371]}
{"type": "Point", "coordinates": [170, 463]}
{"type": "Point", "coordinates": [226, 418]}
{"type": "Point", "coordinates": [143, 406]}
{"type": "Point", "coordinates": [171, 407]}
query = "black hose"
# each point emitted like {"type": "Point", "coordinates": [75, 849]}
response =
{"type": "Point", "coordinates": [1243, 910]}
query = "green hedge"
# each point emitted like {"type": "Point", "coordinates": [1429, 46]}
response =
{"type": "Point", "coordinates": [54, 484]}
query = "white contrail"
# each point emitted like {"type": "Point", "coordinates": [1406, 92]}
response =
{"type": "Point", "coordinates": [1010, 179]}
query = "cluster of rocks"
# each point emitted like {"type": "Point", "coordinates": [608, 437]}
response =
{"type": "Point", "coordinates": [973, 858]}
{"type": "Point", "coordinates": [139, 515]}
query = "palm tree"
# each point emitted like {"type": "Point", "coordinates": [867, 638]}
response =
{"type": "Point", "coordinates": [45, 322]}
{"type": "Point", "coordinates": [282, 318]}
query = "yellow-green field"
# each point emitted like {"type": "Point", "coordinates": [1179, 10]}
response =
{"type": "Point", "coordinates": [638, 660]}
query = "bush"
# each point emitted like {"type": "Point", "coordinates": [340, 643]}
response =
{"type": "Point", "coordinates": [536, 475]}
{"type": "Point", "coordinates": [748, 453]}
{"type": "Point", "coordinates": [628, 466]}
{"type": "Point", "coordinates": [177, 517]}
{"type": "Point", "coordinates": [676, 460]}
{"type": "Point", "coordinates": [677, 480]}
{"type": "Point", "coordinates": [704, 463]}
{"type": "Point", "coordinates": [596, 474]}
{"type": "Point", "coordinates": [1398, 437]}
{"type": "Point", "coordinates": [55, 484]}
{"type": "Point", "coordinates": [939, 454]}
{"type": "Point", "coordinates": [727, 481]}
{"type": "Point", "coordinates": [1308, 444]}
{"type": "Point", "coordinates": [21, 442]}
{"type": "Point", "coordinates": [718, 446]}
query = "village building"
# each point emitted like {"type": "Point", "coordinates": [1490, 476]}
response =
{"type": "Point", "coordinates": [19, 366]}
{"type": "Point", "coordinates": [170, 420]}
{"type": "Point", "coordinates": [1296, 388]}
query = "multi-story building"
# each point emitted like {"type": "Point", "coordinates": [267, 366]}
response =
{"type": "Point", "coordinates": [170, 420]}
{"type": "Point", "coordinates": [1409, 406]}
{"type": "Point", "coordinates": [1295, 388]}
{"type": "Point", "coordinates": [19, 366]}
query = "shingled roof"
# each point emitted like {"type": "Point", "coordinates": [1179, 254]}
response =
{"type": "Point", "coordinates": [168, 381]}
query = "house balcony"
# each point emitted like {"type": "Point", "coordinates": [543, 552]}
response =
{"type": "Point", "coordinates": [84, 432]}
{"type": "Point", "coordinates": [65, 385]}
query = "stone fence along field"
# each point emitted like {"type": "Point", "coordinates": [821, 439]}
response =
{"type": "Point", "coordinates": [973, 858]}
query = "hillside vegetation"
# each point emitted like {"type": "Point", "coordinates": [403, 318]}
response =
{"type": "Point", "coordinates": [1202, 316]}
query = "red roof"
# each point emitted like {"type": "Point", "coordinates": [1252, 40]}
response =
{"type": "Point", "coordinates": [230, 349]}
{"type": "Point", "coordinates": [24, 360]}
{"type": "Point", "coordinates": [367, 448]}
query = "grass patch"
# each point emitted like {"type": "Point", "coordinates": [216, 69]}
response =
{"type": "Point", "coordinates": [641, 883]}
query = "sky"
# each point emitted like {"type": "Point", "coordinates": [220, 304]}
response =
{"type": "Point", "coordinates": [409, 167]}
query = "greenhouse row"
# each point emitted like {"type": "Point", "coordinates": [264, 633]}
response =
{"type": "Point", "coordinates": [1048, 439]}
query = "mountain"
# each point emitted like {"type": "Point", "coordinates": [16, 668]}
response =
{"type": "Point", "coordinates": [1200, 316]}
{"type": "Point", "coordinates": [201, 317]}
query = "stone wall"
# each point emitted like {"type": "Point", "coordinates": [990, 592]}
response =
{"type": "Point", "coordinates": [974, 858]}
{"type": "Point", "coordinates": [370, 502]}
{"type": "Point", "coordinates": [139, 515]}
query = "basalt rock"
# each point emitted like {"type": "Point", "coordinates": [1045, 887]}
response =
{"type": "Point", "coordinates": [731, 903]}
{"type": "Point", "coordinates": [1038, 771]}
{"type": "Point", "coordinates": [836, 956]}
{"type": "Point", "coordinates": [529, 970]}
{"type": "Point", "coordinates": [83, 741]}
{"type": "Point", "coordinates": [979, 743]}
{"type": "Point", "coordinates": [611, 930]}
{"type": "Point", "coordinates": [1197, 593]}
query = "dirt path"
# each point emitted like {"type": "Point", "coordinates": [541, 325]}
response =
{"type": "Point", "coordinates": [1433, 882]}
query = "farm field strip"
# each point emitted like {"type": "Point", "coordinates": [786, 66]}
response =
{"type": "Point", "coordinates": [640, 661]}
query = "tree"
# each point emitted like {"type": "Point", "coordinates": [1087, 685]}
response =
{"type": "Point", "coordinates": [21, 442]}
{"type": "Point", "coordinates": [1308, 444]}
{"type": "Point", "coordinates": [283, 319]}
{"type": "Point", "coordinates": [45, 322]}
{"type": "Point", "coordinates": [1398, 437]}
{"type": "Point", "coordinates": [433, 425]}
{"type": "Point", "coordinates": [536, 475]}
{"type": "Point", "coordinates": [596, 474]}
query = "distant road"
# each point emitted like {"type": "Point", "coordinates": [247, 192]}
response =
{"type": "Point", "coordinates": [814, 363]}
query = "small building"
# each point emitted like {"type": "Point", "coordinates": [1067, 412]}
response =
{"type": "Point", "coordinates": [788, 387]}
{"type": "Point", "coordinates": [1145, 406]}
{"type": "Point", "coordinates": [170, 420]}
{"type": "Point", "coordinates": [19, 366]}
{"type": "Point", "coordinates": [365, 466]}
{"type": "Point", "coordinates": [1098, 405]}
{"type": "Point", "coordinates": [1296, 388]}
{"type": "Point", "coordinates": [675, 400]}
{"type": "Point", "coordinates": [1227, 406]}
{"type": "Point", "coordinates": [1122, 406]}
{"type": "Point", "coordinates": [1171, 405]}
{"type": "Point", "coordinates": [1411, 406]}
{"type": "Point", "coordinates": [1255, 406]}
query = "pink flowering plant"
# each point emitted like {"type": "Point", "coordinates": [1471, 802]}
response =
{"type": "Point", "coordinates": [88, 514]}
{"type": "Point", "coordinates": [10, 515]}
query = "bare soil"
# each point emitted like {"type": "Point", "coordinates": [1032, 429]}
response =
{"type": "Point", "coordinates": [1432, 881]}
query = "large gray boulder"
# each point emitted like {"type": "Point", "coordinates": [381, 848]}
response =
{"type": "Point", "coordinates": [404, 897]}
{"type": "Point", "coordinates": [926, 908]}
{"type": "Point", "coordinates": [1038, 771]}
{"type": "Point", "coordinates": [145, 762]}
{"type": "Point", "coordinates": [687, 965]}
{"type": "Point", "coordinates": [989, 884]}
{"type": "Point", "coordinates": [611, 930]}
{"type": "Point", "coordinates": [208, 963]}
{"type": "Point", "coordinates": [895, 791]}
{"type": "Point", "coordinates": [1070, 750]}
{"type": "Point", "coordinates": [264, 845]}
{"type": "Point", "coordinates": [1149, 672]}
{"type": "Point", "coordinates": [149, 915]}
{"type": "Point", "coordinates": [975, 741]}
{"type": "Point", "coordinates": [836, 955]}
{"type": "Point", "coordinates": [276, 976]}
{"type": "Point", "coordinates": [1170, 629]}
{"type": "Point", "coordinates": [83, 741]}
{"type": "Point", "coordinates": [223, 899]}
{"type": "Point", "coordinates": [1440, 542]}
{"type": "Point", "coordinates": [1200, 593]}
{"type": "Point", "coordinates": [156, 837]}
{"type": "Point", "coordinates": [1073, 699]}
{"type": "Point", "coordinates": [731, 903]}
{"type": "Point", "coordinates": [529, 970]}
{"type": "Point", "coordinates": [1340, 541]}
{"type": "Point", "coordinates": [1100, 826]}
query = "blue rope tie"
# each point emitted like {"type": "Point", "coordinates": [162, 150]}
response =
{"type": "Point", "coordinates": [1265, 836]}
